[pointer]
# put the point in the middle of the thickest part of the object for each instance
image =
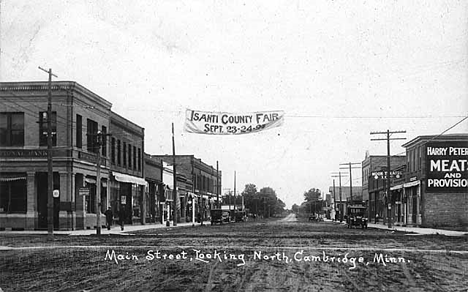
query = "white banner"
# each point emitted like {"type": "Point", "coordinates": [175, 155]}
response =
{"type": "Point", "coordinates": [222, 123]}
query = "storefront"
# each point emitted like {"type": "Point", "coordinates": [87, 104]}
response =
{"type": "Point", "coordinates": [127, 192]}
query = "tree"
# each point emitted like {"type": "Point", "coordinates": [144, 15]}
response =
{"type": "Point", "coordinates": [312, 195]}
{"type": "Point", "coordinates": [249, 194]}
{"type": "Point", "coordinates": [295, 208]}
{"type": "Point", "coordinates": [263, 202]}
{"type": "Point", "coordinates": [312, 201]}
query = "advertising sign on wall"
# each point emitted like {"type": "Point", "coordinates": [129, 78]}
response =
{"type": "Point", "coordinates": [222, 123]}
{"type": "Point", "coordinates": [447, 167]}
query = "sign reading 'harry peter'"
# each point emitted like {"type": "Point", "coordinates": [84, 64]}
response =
{"type": "Point", "coordinates": [447, 167]}
{"type": "Point", "coordinates": [221, 123]}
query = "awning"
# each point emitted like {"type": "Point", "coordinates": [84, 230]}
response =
{"type": "Point", "coordinates": [90, 180]}
{"type": "Point", "coordinates": [396, 187]}
{"type": "Point", "coordinates": [125, 178]}
{"type": "Point", "coordinates": [11, 177]}
{"type": "Point", "coordinates": [412, 184]}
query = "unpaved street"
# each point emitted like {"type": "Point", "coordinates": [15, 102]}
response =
{"type": "Point", "coordinates": [261, 255]}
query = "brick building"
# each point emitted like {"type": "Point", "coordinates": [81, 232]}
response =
{"type": "Point", "coordinates": [435, 188]}
{"type": "Point", "coordinates": [77, 115]}
{"type": "Point", "coordinates": [196, 179]}
{"type": "Point", "coordinates": [374, 182]}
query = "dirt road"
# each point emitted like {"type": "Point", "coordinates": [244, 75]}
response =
{"type": "Point", "coordinates": [261, 255]}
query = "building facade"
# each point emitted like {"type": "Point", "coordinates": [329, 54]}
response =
{"type": "Point", "coordinates": [195, 180]}
{"type": "Point", "coordinates": [127, 182]}
{"type": "Point", "coordinates": [78, 115]}
{"type": "Point", "coordinates": [435, 189]}
{"type": "Point", "coordinates": [374, 183]}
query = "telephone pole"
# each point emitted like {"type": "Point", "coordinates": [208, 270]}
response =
{"type": "Point", "coordinates": [100, 138]}
{"type": "Point", "coordinates": [388, 196]}
{"type": "Point", "coordinates": [351, 178]}
{"type": "Point", "coordinates": [341, 202]}
{"type": "Point", "coordinates": [334, 198]}
{"type": "Point", "coordinates": [50, 173]}
{"type": "Point", "coordinates": [235, 195]}
{"type": "Point", "coordinates": [174, 191]}
{"type": "Point", "coordinates": [217, 185]}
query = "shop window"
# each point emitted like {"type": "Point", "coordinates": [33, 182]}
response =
{"type": "Point", "coordinates": [79, 131]}
{"type": "Point", "coordinates": [91, 199]}
{"type": "Point", "coordinates": [13, 194]}
{"type": "Point", "coordinates": [11, 129]}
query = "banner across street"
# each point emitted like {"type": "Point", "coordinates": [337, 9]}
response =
{"type": "Point", "coordinates": [223, 123]}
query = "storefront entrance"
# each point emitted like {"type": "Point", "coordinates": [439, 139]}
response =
{"type": "Point", "coordinates": [43, 198]}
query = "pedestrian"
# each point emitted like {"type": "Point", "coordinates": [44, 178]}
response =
{"type": "Point", "coordinates": [122, 217]}
{"type": "Point", "coordinates": [109, 217]}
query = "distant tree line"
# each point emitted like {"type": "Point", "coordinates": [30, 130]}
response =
{"type": "Point", "coordinates": [264, 203]}
{"type": "Point", "coordinates": [313, 202]}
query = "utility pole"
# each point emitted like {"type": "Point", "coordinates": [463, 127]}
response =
{"type": "Point", "coordinates": [341, 200]}
{"type": "Point", "coordinates": [235, 195]}
{"type": "Point", "coordinates": [334, 199]}
{"type": "Point", "coordinates": [388, 196]}
{"type": "Point", "coordinates": [99, 143]}
{"type": "Point", "coordinates": [50, 173]}
{"type": "Point", "coordinates": [174, 191]}
{"type": "Point", "coordinates": [351, 179]}
{"type": "Point", "coordinates": [217, 185]}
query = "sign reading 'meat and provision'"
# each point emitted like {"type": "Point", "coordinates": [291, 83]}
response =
{"type": "Point", "coordinates": [447, 167]}
{"type": "Point", "coordinates": [222, 123]}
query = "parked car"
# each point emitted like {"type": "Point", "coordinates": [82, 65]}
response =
{"type": "Point", "coordinates": [220, 216]}
{"type": "Point", "coordinates": [356, 216]}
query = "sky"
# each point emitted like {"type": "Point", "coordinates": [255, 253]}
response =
{"type": "Point", "coordinates": [338, 69]}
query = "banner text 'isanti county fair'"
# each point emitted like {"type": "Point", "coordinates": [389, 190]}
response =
{"type": "Point", "coordinates": [222, 123]}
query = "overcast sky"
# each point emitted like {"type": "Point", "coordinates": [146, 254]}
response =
{"type": "Point", "coordinates": [338, 69]}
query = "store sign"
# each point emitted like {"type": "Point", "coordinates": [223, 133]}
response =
{"type": "Point", "coordinates": [83, 192]}
{"type": "Point", "coordinates": [222, 123]}
{"type": "Point", "coordinates": [23, 153]}
{"type": "Point", "coordinates": [447, 167]}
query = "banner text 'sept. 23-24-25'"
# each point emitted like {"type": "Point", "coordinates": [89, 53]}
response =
{"type": "Point", "coordinates": [222, 123]}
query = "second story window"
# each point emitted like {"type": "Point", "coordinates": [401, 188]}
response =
{"type": "Point", "coordinates": [91, 131]}
{"type": "Point", "coordinates": [124, 152]}
{"type": "Point", "coordinates": [113, 150]}
{"type": "Point", "coordinates": [129, 156]}
{"type": "Point", "coordinates": [139, 159]}
{"type": "Point", "coordinates": [134, 158]}
{"type": "Point", "coordinates": [43, 128]}
{"type": "Point", "coordinates": [104, 141]}
{"type": "Point", "coordinates": [11, 129]}
{"type": "Point", "coordinates": [79, 131]}
{"type": "Point", "coordinates": [119, 153]}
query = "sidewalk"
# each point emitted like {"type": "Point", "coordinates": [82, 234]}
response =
{"type": "Point", "coordinates": [415, 230]}
{"type": "Point", "coordinates": [115, 230]}
{"type": "Point", "coordinates": [419, 230]}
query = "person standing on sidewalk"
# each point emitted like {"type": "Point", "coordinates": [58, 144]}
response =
{"type": "Point", "coordinates": [109, 218]}
{"type": "Point", "coordinates": [122, 217]}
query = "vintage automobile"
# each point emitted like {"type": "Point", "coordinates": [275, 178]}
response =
{"type": "Point", "coordinates": [356, 216]}
{"type": "Point", "coordinates": [316, 217]}
{"type": "Point", "coordinates": [240, 216]}
{"type": "Point", "coordinates": [220, 216]}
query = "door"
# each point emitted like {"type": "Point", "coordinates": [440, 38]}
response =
{"type": "Point", "coordinates": [43, 198]}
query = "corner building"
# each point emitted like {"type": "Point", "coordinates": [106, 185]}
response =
{"type": "Point", "coordinates": [435, 191]}
{"type": "Point", "coordinates": [77, 115]}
